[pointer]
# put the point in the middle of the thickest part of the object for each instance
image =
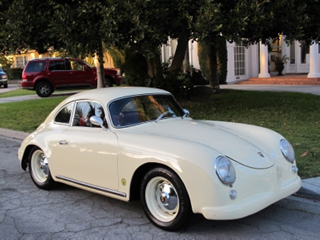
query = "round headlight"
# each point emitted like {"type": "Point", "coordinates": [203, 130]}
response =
{"type": "Point", "coordinates": [287, 150]}
{"type": "Point", "coordinates": [225, 170]}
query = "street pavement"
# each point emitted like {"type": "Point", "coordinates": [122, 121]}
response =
{"type": "Point", "coordinates": [29, 213]}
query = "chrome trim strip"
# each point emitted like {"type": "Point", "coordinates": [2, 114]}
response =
{"type": "Point", "coordinates": [121, 194]}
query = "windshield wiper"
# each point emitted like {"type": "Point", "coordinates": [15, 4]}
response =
{"type": "Point", "coordinates": [186, 113]}
{"type": "Point", "coordinates": [162, 115]}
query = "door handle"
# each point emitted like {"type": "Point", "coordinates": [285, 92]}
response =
{"type": "Point", "coordinates": [63, 142]}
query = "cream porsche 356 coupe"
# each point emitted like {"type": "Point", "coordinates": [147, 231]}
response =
{"type": "Point", "coordinates": [134, 142]}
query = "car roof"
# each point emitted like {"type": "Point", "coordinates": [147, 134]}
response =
{"type": "Point", "coordinates": [54, 58]}
{"type": "Point", "coordinates": [105, 95]}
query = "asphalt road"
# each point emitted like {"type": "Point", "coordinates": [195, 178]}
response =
{"type": "Point", "coordinates": [27, 212]}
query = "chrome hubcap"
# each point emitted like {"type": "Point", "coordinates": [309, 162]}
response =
{"type": "Point", "coordinates": [166, 197]}
{"type": "Point", "coordinates": [39, 166]}
{"type": "Point", "coordinates": [44, 89]}
{"type": "Point", "coordinates": [44, 165]}
{"type": "Point", "coordinates": [162, 199]}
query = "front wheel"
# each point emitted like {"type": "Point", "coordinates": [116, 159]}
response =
{"type": "Point", "coordinates": [109, 81]}
{"type": "Point", "coordinates": [44, 89]}
{"type": "Point", "coordinates": [39, 169]}
{"type": "Point", "coordinates": [165, 200]}
{"type": "Point", "coordinates": [5, 85]}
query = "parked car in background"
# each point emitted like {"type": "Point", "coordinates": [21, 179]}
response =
{"type": "Point", "coordinates": [44, 75]}
{"type": "Point", "coordinates": [134, 142]}
{"type": "Point", "coordinates": [3, 78]}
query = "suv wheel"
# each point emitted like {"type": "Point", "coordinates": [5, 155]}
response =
{"type": "Point", "coordinates": [44, 89]}
{"type": "Point", "coordinates": [109, 81]}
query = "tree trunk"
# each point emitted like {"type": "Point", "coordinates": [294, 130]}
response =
{"type": "Point", "coordinates": [186, 62]}
{"type": "Point", "coordinates": [213, 65]}
{"type": "Point", "coordinates": [181, 50]}
{"type": "Point", "coordinates": [101, 82]}
{"type": "Point", "coordinates": [154, 65]}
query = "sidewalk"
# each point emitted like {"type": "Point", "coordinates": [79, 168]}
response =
{"type": "Point", "coordinates": [275, 88]}
{"type": "Point", "coordinates": [28, 97]}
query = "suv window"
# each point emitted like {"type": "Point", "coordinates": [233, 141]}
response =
{"type": "Point", "coordinates": [57, 65]}
{"type": "Point", "coordinates": [37, 66]}
{"type": "Point", "coordinates": [76, 66]}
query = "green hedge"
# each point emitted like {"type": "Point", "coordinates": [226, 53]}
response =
{"type": "Point", "coordinates": [222, 59]}
{"type": "Point", "coordinates": [14, 73]}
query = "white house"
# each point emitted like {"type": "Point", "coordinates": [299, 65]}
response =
{"type": "Point", "coordinates": [257, 61]}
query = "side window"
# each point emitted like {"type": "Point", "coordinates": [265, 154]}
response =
{"type": "Point", "coordinates": [57, 65]}
{"type": "Point", "coordinates": [84, 111]}
{"type": "Point", "coordinates": [37, 66]}
{"type": "Point", "coordinates": [64, 114]}
{"type": "Point", "coordinates": [76, 66]}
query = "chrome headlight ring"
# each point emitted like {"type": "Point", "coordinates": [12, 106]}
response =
{"type": "Point", "coordinates": [225, 170]}
{"type": "Point", "coordinates": [287, 150]}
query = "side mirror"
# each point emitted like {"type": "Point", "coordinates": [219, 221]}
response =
{"type": "Point", "coordinates": [86, 68]}
{"type": "Point", "coordinates": [97, 122]}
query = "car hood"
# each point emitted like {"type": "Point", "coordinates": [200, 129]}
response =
{"type": "Point", "coordinates": [227, 141]}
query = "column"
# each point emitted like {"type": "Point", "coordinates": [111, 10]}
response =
{"type": "Point", "coordinates": [263, 61]}
{"type": "Point", "coordinates": [314, 67]}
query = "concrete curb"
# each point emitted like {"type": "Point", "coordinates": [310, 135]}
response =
{"type": "Point", "coordinates": [13, 134]}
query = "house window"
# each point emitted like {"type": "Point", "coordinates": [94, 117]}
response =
{"type": "Point", "coordinates": [21, 61]}
{"type": "Point", "coordinates": [292, 53]}
{"type": "Point", "coordinates": [304, 51]}
{"type": "Point", "coordinates": [239, 60]}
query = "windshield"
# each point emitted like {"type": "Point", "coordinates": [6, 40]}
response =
{"type": "Point", "coordinates": [136, 110]}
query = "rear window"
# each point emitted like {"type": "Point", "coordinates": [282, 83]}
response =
{"type": "Point", "coordinates": [35, 66]}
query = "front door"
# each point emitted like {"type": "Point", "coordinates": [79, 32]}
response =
{"type": "Point", "coordinates": [87, 154]}
{"type": "Point", "coordinates": [299, 58]}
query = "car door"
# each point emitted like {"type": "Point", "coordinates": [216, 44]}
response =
{"type": "Point", "coordinates": [59, 73]}
{"type": "Point", "coordinates": [86, 154]}
{"type": "Point", "coordinates": [81, 74]}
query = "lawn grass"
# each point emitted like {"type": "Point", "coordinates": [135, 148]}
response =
{"type": "Point", "coordinates": [17, 92]}
{"type": "Point", "coordinates": [24, 92]}
{"type": "Point", "coordinates": [294, 115]}
{"type": "Point", "coordinates": [26, 116]}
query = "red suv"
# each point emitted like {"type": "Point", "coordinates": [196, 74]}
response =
{"type": "Point", "coordinates": [44, 75]}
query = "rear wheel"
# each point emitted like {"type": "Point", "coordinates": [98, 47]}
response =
{"type": "Point", "coordinates": [165, 200]}
{"type": "Point", "coordinates": [109, 81]}
{"type": "Point", "coordinates": [5, 85]}
{"type": "Point", "coordinates": [44, 89]}
{"type": "Point", "coordinates": [39, 169]}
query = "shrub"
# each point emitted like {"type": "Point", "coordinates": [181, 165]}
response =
{"type": "Point", "coordinates": [135, 69]}
{"type": "Point", "coordinates": [222, 59]}
{"type": "Point", "coordinates": [14, 73]}
{"type": "Point", "coordinates": [180, 84]}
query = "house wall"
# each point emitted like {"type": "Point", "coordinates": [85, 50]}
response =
{"type": "Point", "coordinates": [20, 60]}
{"type": "Point", "coordinates": [252, 59]}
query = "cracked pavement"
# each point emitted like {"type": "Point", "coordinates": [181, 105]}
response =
{"type": "Point", "coordinates": [27, 212]}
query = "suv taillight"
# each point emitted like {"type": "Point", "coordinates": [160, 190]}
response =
{"type": "Point", "coordinates": [24, 76]}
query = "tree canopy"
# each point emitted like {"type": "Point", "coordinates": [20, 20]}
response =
{"type": "Point", "coordinates": [81, 27]}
